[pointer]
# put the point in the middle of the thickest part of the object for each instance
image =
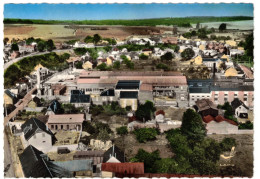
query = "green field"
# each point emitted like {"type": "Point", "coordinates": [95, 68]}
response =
{"type": "Point", "coordinates": [180, 21]}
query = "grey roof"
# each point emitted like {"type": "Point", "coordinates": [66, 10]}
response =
{"type": "Point", "coordinates": [32, 126]}
{"type": "Point", "coordinates": [55, 106]}
{"type": "Point", "coordinates": [75, 165]}
{"type": "Point", "coordinates": [33, 164]}
{"type": "Point", "coordinates": [236, 103]}
{"type": "Point", "coordinates": [213, 59]}
{"type": "Point", "coordinates": [115, 152]}
{"type": "Point", "coordinates": [109, 92]}
{"type": "Point", "coordinates": [36, 166]}
{"type": "Point", "coordinates": [10, 94]}
{"type": "Point", "coordinates": [128, 84]}
{"type": "Point", "coordinates": [78, 96]}
{"type": "Point", "coordinates": [128, 94]}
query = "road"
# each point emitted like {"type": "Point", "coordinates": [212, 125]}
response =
{"type": "Point", "coordinates": [6, 65]}
{"type": "Point", "coordinates": [7, 151]}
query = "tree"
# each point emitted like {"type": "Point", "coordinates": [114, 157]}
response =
{"type": "Point", "coordinates": [192, 126]}
{"type": "Point", "coordinates": [147, 158]}
{"type": "Point", "coordinates": [96, 38]}
{"type": "Point", "coordinates": [222, 27]}
{"type": "Point", "coordinates": [187, 54]}
{"type": "Point", "coordinates": [50, 45]}
{"type": "Point", "coordinates": [227, 143]}
{"type": "Point", "coordinates": [14, 47]}
{"type": "Point", "coordinates": [122, 130]}
{"type": "Point", "coordinates": [249, 45]}
{"type": "Point", "coordinates": [88, 39]}
{"type": "Point", "coordinates": [144, 111]}
{"type": "Point", "coordinates": [41, 45]}
{"type": "Point", "coordinates": [162, 66]}
{"type": "Point", "coordinates": [179, 143]}
{"type": "Point", "coordinates": [165, 165]}
{"type": "Point", "coordinates": [167, 56]}
{"type": "Point", "coordinates": [145, 134]}
{"type": "Point", "coordinates": [116, 65]}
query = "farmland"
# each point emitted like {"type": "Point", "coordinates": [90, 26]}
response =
{"type": "Point", "coordinates": [60, 34]}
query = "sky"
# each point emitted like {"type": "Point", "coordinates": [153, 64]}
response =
{"type": "Point", "coordinates": [122, 11]}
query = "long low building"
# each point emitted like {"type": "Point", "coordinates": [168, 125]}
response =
{"type": "Point", "coordinates": [222, 90]}
{"type": "Point", "coordinates": [164, 88]}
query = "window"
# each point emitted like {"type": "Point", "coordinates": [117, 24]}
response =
{"type": "Point", "coordinates": [61, 126]}
{"type": "Point", "coordinates": [226, 94]}
{"type": "Point", "coordinates": [192, 99]}
{"type": "Point", "coordinates": [245, 94]}
{"type": "Point", "coordinates": [68, 127]}
{"type": "Point", "coordinates": [216, 99]}
{"type": "Point", "coordinates": [245, 99]}
{"type": "Point", "coordinates": [43, 134]}
{"type": "Point", "coordinates": [225, 99]}
{"type": "Point", "coordinates": [43, 141]}
{"type": "Point", "coordinates": [52, 126]}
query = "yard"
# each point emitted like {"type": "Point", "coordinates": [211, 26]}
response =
{"type": "Point", "coordinates": [243, 159]}
{"type": "Point", "coordinates": [61, 157]}
{"type": "Point", "coordinates": [131, 146]}
{"type": "Point", "coordinates": [172, 113]}
{"type": "Point", "coordinates": [66, 137]}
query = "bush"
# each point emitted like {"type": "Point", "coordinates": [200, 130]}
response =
{"type": "Point", "coordinates": [88, 127]}
{"type": "Point", "coordinates": [122, 130]}
{"type": "Point", "coordinates": [145, 134]}
{"type": "Point", "coordinates": [147, 158]}
{"type": "Point", "coordinates": [162, 66]}
{"type": "Point", "coordinates": [247, 125]}
{"type": "Point", "coordinates": [142, 56]}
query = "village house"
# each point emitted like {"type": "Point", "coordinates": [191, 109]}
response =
{"type": "Point", "coordinates": [37, 134]}
{"type": "Point", "coordinates": [9, 98]}
{"type": "Point", "coordinates": [220, 125]}
{"type": "Point", "coordinates": [114, 155]}
{"type": "Point", "coordinates": [57, 89]}
{"type": "Point", "coordinates": [87, 65]}
{"type": "Point", "coordinates": [43, 70]}
{"type": "Point", "coordinates": [67, 122]}
{"type": "Point", "coordinates": [206, 107]}
{"type": "Point", "coordinates": [15, 54]}
{"type": "Point", "coordinates": [27, 48]}
{"type": "Point", "coordinates": [239, 108]}
{"type": "Point", "coordinates": [129, 98]}
{"type": "Point", "coordinates": [170, 40]}
{"type": "Point", "coordinates": [35, 164]}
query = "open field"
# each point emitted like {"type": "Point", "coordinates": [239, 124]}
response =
{"type": "Point", "coordinates": [60, 34]}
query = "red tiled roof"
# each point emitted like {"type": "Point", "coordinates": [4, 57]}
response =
{"type": "Point", "coordinates": [126, 168]}
{"type": "Point", "coordinates": [160, 112]}
{"type": "Point", "coordinates": [219, 118]}
{"type": "Point", "coordinates": [247, 71]}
